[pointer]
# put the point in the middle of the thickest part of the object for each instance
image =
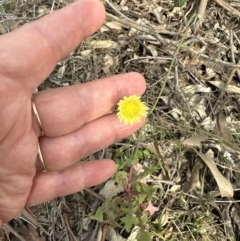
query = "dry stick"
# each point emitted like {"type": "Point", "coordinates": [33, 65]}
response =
{"type": "Point", "coordinates": [181, 93]}
{"type": "Point", "coordinates": [13, 18]}
{"type": "Point", "coordinates": [27, 213]}
{"type": "Point", "coordinates": [228, 7]}
{"type": "Point", "coordinates": [191, 184]}
{"type": "Point", "coordinates": [201, 13]}
{"type": "Point", "coordinates": [168, 72]}
{"type": "Point", "coordinates": [117, 11]}
{"type": "Point", "coordinates": [153, 31]}
{"type": "Point", "coordinates": [90, 191]}
{"type": "Point", "coordinates": [223, 90]}
{"type": "Point", "coordinates": [66, 220]}
{"type": "Point", "coordinates": [232, 46]}
{"type": "Point", "coordinates": [140, 27]}
{"type": "Point", "coordinates": [104, 231]}
{"type": "Point", "coordinates": [232, 52]}
{"type": "Point", "coordinates": [11, 229]}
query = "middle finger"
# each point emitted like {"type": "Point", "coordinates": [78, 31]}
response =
{"type": "Point", "coordinates": [66, 109]}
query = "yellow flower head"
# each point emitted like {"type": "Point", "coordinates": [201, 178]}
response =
{"type": "Point", "coordinates": [131, 109]}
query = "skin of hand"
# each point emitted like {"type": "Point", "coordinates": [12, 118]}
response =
{"type": "Point", "coordinates": [76, 119]}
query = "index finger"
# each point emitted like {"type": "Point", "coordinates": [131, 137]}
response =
{"type": "Point", "coordinates": [30, 53]}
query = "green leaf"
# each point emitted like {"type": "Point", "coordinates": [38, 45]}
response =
{"type": "Point", "coordinates": [146, 152]}
{"type": "Point", "coordinates": [138, 187]}
{"type": "Point", "coordinates": [143, 219]}
{"type": "Point", "coordinates": [114, 224]}
{"type": "Point", "coordinates": [139, 154]}
{"type": "Point", "coordinates": [147, 190]}
{"type": "Point", "coordinates": [179, 3]}
{"type": "Point", "coordinates": [128, 221]}
{"type": "Point", "coordinates": [125, 210]}
{"type": "Point", "coordinates": [141, 197]}
{"type": "Point", "coordinates": [134, 208]}
{"type": "Point", "coordinates": [98, 215]}
{"type": "Point", "coordinates": [130, 209]}
{"type": "Point", "coordinates": [2, 10]}
{"type": "Point", "coordinates": [111, 215]}
{"type": "Point", "coordinates": [107, 204]}
{"type": "Point", "coordinates": [144, 236]}
{"type": "Point", "coordinates": [120, 177]}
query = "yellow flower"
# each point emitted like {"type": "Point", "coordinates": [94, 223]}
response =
{"type": "Point", "coordinates": [131, 109]}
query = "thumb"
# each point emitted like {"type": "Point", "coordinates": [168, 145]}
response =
{"type": "Point", "coordinates": [30, 53]}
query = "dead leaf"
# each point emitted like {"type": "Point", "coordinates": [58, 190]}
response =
{"type": "Point", "coordinates": [152, 50]}
{"type": "Point", "coordinates": [61, 71]}
{"type": "Point", "coordinates": [176, 114]}
{"type": "Point", "coordinates": [191, 89]}
{"type": "Point", "coordinates": [43, 9]}
{"type": "Point", "coordinates": [107, 27]}
{"type": "Point", "coordinates": [194, 180]}
{"type": "Point", "coordinates": [103, 44]}
{"type": "Point", "coordinates": [164, 219]}
{"type": "Point", "coordinates": [175, 188]}
{"type": "Point", "coordinates": [113, 235]}
{"type": "Point", "coordinates": [230, 147]}
{"type": "Point", "coordinates": [110, 189]}
{"type": "Point", "coordinates": [109, 63]}
{"type": "Point", "coordinates": [195, 141]}
{"type": "Point", "coordinates": [135, 231]}
{"type": "Point", "coordinates": [220, 128]}
{"type": "Point", "coordinates": [30, 233]}
{"type": "Point", "coordinates": [207, 123]}
{"type": "Point", "coordinates": [156, 10]}
{"type": "Point", "coordinates": [225, 187]}
{"type": "Point", "coordinates": [229, 88]}
{"type": "Point", "coordinates": [85, 52]}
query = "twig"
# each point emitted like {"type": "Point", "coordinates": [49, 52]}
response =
{"type": "Point", "coordinates": [188, 106]}
{"type": "Point", "coordinates": [228, 7]}
{"type": "Point", "coordinates": [104, 231]}
{"type": "Point", "coordinates": [117, 11]}
{"type": "Point", "coordinates": [9, 227]}
{"type": "Point", "coordinates": [232, 52]}
{"type": "Point", "coordinates": [152, 31]}
{"type": "Point", "coordinates": [223, 90]}
{"type": "Point", "coordinates": [28, 216]}
{"type": "Point", "coordinates": [201, 13]}
{"type": "Point", "coordinates": [141, 27]}
{"type": "Point", "coordinates": [21, 18]}
{"type": "Point", "coordinates": [149, 58]}
{"type": "Point", "coordinates": [66, 220]}
{"type": "Point", "coordinates": [95, 194]}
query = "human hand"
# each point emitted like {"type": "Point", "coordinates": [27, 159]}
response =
{"type": "Point", "coordinates": [75, 119]}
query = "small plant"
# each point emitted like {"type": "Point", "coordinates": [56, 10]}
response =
{"type": "Point", "coordinates": [4, 3]}
{"type": "Point", "coordinates": [134, 206]}
{"type": "Point", "coordinates": [179, 3]}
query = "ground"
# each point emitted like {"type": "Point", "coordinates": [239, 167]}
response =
{"type": "Point", "coordinates": [178, 177]}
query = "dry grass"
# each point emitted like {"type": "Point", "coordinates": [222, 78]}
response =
{"type": "Point", "coordinates": [186, 101]}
